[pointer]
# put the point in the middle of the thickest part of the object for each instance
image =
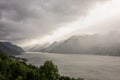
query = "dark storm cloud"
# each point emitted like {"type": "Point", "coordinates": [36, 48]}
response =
{"type": "Point", "coordinates": [26, 19]}
{"type": "Point", "coordinates": [13, 9]}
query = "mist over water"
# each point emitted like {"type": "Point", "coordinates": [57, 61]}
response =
{"type": "Point", "coordinates": [90, 67]}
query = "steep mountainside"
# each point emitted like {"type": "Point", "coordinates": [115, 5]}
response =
{"type": "Point", "coordinates": [88, 44]}
{"type": "Point", "coordinates": [10, 49]}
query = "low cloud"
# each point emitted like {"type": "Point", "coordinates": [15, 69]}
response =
{"type": "Point", "coordinates": [28, 19]}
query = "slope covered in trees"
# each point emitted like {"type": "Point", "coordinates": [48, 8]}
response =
{"type": "Point", "coordinates": [12, 69]}
{"type": "Point", "coordinates": [10, 49]}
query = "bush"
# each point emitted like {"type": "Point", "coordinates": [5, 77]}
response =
{"type": "Point", "coordinates": [11, 69]}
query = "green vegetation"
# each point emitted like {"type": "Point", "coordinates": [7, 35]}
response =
{"type": "Point", "coordinates": [12, 69]}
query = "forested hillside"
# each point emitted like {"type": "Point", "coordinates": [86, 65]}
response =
{"type": "Point", "coordinates": [16, 69]}
{"type": "Point", "coordinates": [10, 49]}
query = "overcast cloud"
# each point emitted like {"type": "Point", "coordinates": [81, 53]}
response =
{"type": "Point", "coordinates": [28, 19]}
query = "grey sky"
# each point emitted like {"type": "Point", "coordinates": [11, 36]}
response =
{"type": "Point", "coordinates": [22, 20]}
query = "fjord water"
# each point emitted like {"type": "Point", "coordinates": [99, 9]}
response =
{"type": "Point", "coordinates": [89, 67]}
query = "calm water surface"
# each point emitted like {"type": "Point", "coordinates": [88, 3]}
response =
{"type": "Point", "coordinates": [90, 67]}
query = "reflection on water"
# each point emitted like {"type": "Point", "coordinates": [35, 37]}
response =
{"type": "Point", "coordinates": [90, 67]}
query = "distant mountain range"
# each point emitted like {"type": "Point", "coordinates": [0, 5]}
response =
{"type": "Point", "coordinates": [38, 48]}
{"type": "Point", "coordinates": [87, 44]}
{"type": "Point", "coordinates": [10, 49]}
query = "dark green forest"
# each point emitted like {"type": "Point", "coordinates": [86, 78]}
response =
{"type": "Point", "coordinates": [16, 69]}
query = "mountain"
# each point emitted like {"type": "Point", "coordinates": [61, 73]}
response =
{"type": "Point", "coordinates": [10, 49]}
{"type": "Point", "coordinates": [87, 44]}
{"type": "Point", "coordinates": [38, 47]}
{"type": "Point", "coordinates": [52, 46]}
